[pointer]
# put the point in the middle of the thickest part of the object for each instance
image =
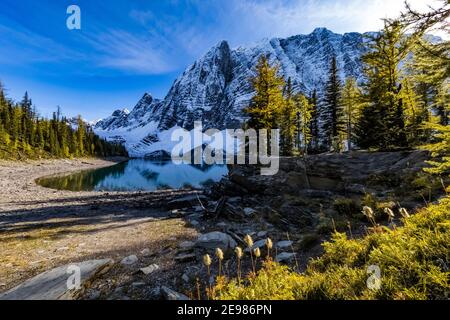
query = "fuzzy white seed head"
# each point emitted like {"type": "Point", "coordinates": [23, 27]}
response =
{"type": "Point", "coordinates": [207, 260]}
{"type": "Point", "coordinates": [238, 252]}
{"type": "Point", "coordinates": [219, 254]}
{"type": "Point", "coordinates": [269, 243]}
{"type": "Point", "coordinates": [404, 213]}
{"type": "Point", "coordinates": [257, 252]}
{"type": "Point", "coordinates": [368, 212]}
{"type": "Point", "coordinates": [249, 241]}
{"type": "Point", "coordinates": [389, 212]}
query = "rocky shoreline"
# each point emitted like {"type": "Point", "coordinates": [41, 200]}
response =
{"type": "Point", "coordinates": [42, 228]}
{"type": "Point", "coordinates": [157, 240]}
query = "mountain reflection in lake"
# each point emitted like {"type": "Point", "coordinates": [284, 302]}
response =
{"type": "Point", "coordinates": [138, 175]}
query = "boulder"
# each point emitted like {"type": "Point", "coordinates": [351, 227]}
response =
{"type": "Point", "coordinates": [130, 260]}
{"type": "Point", "coordinates": [186, 246]}
{"type": "Point", "coordinates": [262, 234]}
{"type": "Point", "coordinates": [146, 252]}
{"type": "Point", "coordinates": [248, 212]}
{"type": "Point", "coordinates": [285, 257]}
{"type": "Point", "coordinates": [53, 284]}
{"type": "Point", "coordinates": [150, 269]}
{"type": "Point", "coordinates": [215, 240]}
{"type": "Point", "coordinates": [284, 244]}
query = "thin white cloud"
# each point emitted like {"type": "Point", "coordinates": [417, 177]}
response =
{"type": "Point", "coordinates": [166, 41]}
{"type": "Point", "coordinates": [121, 50]}
{"type": "Point", "coordinates": [285, 18]}
{"type": "Point", "coordinates": [246, 21]}
{"type": "Point", "coordinates": [19, 46]}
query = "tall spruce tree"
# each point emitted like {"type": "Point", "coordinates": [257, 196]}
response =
{"type": "Point", "coordinates": [331, 106]}
{"type": "Point", "coordinates": [416, 114]}
{"type": "Point", "coordinates": [430, 76]}
{"type": "Point", "coordinates": [287, 121]}
{"type": "Point", "coordinates": [314, 123]}
{"type": "Point", "coordinates": [382, 123]}
{"type": "Point", "coordinates": [351, 101]}
{"type": "Point", "coordinates": [304, 115]}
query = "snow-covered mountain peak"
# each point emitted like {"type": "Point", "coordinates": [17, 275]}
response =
{"type": "Point", "coordinates": [216, 87]}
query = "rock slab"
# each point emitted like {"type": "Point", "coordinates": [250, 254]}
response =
{"type": "Point", "coordinates": [53, 284]}
{"type": "Point", "coordinates": [215, 240]}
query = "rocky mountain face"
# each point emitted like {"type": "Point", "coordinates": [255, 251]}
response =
{"type": "Point", "coordinates": [216, 87]}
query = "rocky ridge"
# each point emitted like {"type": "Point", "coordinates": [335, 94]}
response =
{"type": "Point", "coordinates": [215, 88]}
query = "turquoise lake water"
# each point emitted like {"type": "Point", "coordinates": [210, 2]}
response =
{"type": "Point", "coordinates": [138, 175]}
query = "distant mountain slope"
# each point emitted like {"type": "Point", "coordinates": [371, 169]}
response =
{"type": "Point", "coordinates": [216, 87]}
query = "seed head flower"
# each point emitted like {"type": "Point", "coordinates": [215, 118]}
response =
{"type": "Point", "coordinates": [219, 254]}
{"type": "Point", "coordinates": [257, 252]}
{"type": "Point", "coordinates": [368, 212]}
{"type": "Point", "coordinates": [389, 212]}
{"type": "Point", "coordinates": [269, 243]}
{"type": "Point", "coordinates": [249, 241]}
{"type": "Point", "coordinates": [404, 213]}
{"type": "Point", "coordinates": [207, 260]}
{"type": "Point", "coordinates": [238, 252]}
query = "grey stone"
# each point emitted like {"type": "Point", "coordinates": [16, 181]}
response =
{"type": "Point", "coordinates": [146, 252]}
{"type": "Point", "coordinates": [223, 226]}
{"type": "Point", "coordinates": [249, 212]}
{"type": "Point", "coordinates": [53, 284]}
{"type": "Point", "coordinates": [198, 209]}
{"type": "Point", "coordinates": [150, 269]}
{"type": "Point", "coordinates": [186, 245]}
{"type": "Point", "coordinates": [215, 240]}
{"type": "Point", "coordinates": [234, 199]}
{"type": "Point", "coordinates": [184, 257]}
{"type": "Point", "coordinates": [138, 284]}
{"type": "Point", "coordinates": [170, 294]}
{"type": "Point", "coordinates": [261, 234]}
{"type": "Point", "coordinates": [261, 244]}
{"type": "Point", "coordinates": [130, 260]}
{"type": "Point", "coordinates": [285, 257]}
{"type": "Point", "coordinates": [194, 223]}
{"type": "Point", "coordinates": [284, 244]}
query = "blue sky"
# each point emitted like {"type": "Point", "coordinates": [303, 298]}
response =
{"type": "Point", "coordinates": [126, 48]}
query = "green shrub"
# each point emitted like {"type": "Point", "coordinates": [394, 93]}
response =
{"type": "Point", "coordinates": [414, 261]}
{"type": "Point", "coordinates": [309, 240]}
{"type": "Point", "coordinates": [347, 207]}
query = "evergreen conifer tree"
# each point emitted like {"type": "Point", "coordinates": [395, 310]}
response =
{"type": "Point", "coordinates": [331, 106]}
